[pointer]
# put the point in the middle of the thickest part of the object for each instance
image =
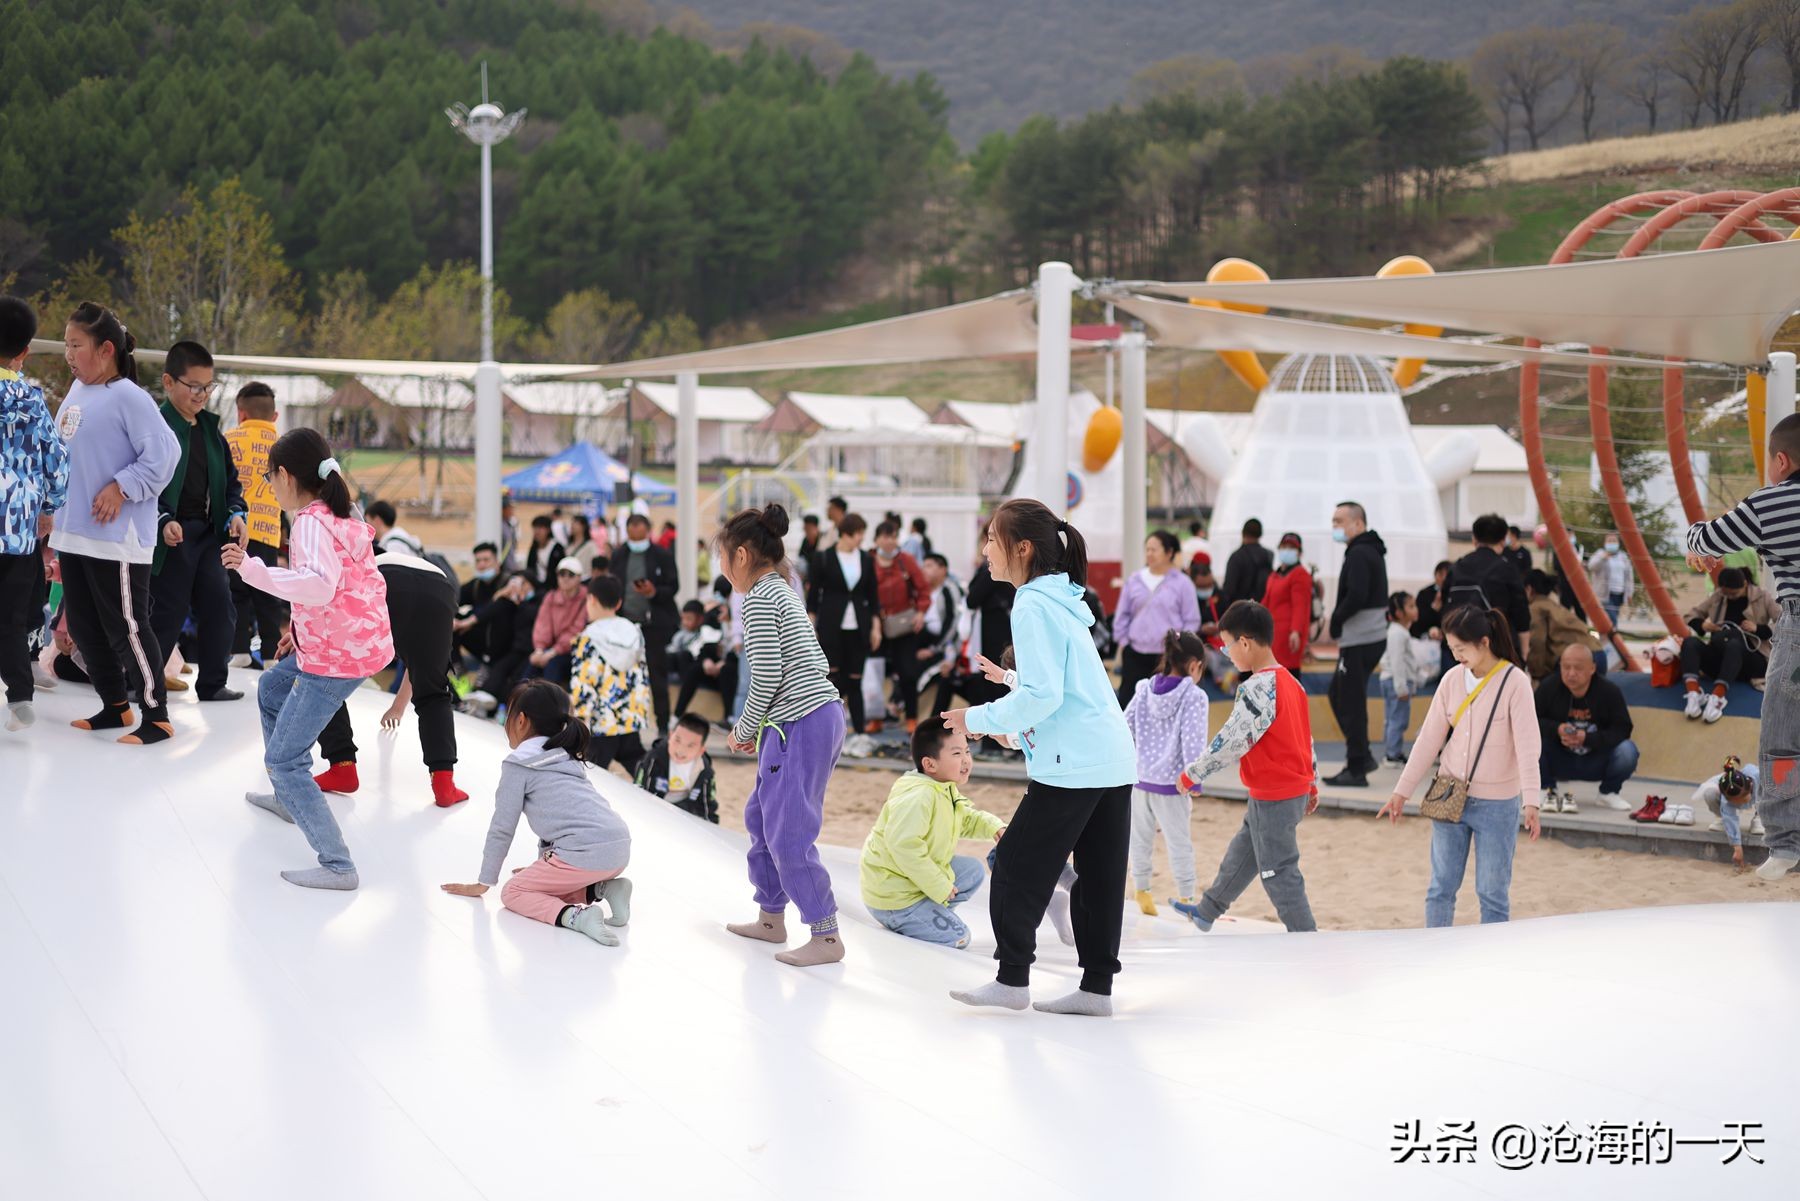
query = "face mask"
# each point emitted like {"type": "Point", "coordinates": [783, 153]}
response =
{"type": "Point", "coordinates": [1205, 593]}
{"type": "Point", "coordinates": [1612, 548]}
{"type": "Point", "coordinates": [1338, 534]}
{"type": "Point", "coordinates": [638, 546]}
{"type": "Point", "coordinates": [485, 576]}
{"type": "Point", "coordinates": [888, 556]}
{"type": "Point", "coordinates": [1288, 556]}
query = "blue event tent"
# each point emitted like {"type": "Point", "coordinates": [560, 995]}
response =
{"type": "Point", "coordinates": [582, 474]}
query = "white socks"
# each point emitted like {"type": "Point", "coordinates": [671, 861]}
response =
{"type": "Point", "coordinates": [19, 715]}
{"type": "Point", "coordinates": [1086, 1004]}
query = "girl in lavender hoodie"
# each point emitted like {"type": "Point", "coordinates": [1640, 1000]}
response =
{"type": "Point", "coordinates": [1167, 718]}
{"type": "Point", "coordinates": [1153, 602]}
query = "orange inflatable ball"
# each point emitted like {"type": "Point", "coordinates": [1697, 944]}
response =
{"type": "Point", "coordinates": [1239, 271]}
{"type": "Point", "coordinates": [1406, 371]}
{"type": "Point", "coordinates": [1104, 430]}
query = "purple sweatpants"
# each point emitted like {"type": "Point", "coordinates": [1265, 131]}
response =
{"type": "Point", "coordinates": [786, 809]}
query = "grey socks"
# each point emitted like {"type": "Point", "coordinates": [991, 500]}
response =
{"type": "Point", "coordinates": [267, 800]}
{"type": "Point", "coordinates": [1086, 1004]}
{"type": "Point", "coordinates": [616, 892]}
{"type": "Point", "coordinates": [322, 877]}
{"type": "Point", "coordinates": [20, 715]}
{"type": "Point", "coordinates": [995, 994]}
{"type": "Point", "coordinates": [589, 920]}
{"type": "Point", "coordinates": [1059, 917]}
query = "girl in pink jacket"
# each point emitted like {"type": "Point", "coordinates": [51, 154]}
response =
{"type": "Point", "coordinates": [339, 638]}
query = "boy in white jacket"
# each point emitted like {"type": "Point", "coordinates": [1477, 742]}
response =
{"type": "Point", "coordinates": [609, 679]}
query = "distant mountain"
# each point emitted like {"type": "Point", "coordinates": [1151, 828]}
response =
{"type": "Point", "coordinates": [1000, 61]}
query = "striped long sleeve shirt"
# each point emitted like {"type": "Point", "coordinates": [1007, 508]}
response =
{"type": "Point", "coordinates": [1768, 522]}
{"type": "Point", "coordinates": [788, 671]}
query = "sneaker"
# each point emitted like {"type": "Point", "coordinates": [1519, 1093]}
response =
{"type": "Point", "coordinates": [1568, 804]}
{"type": "Point", "coordinates": [1191, 911]}
{"type": "Point", "coordinates": [1396, 760]}
{"type": "Point", "coordinates": [1348, 779]}
{"type": "Point", "coordinates": [1775, 867]}
{"type": "Point", "coordinates": [1684, 815]}
{"type": "Point", "coordinates": [1668, 815]}
{"type": "Point", "coordinates": [1696, 705]}
{"type": "Point", "coordinates": [1652, 809]}
{"type": "Point", "coordinates": [242, 660]}
{"type": "Point", "coordinates": [1715, 707]}
{"type": "Point", "coordinates": [1756, 826]}
{"type": "Point", "coordinates": [1613, 800]}
{"type": "Point", "coordinates": [1718, 824]}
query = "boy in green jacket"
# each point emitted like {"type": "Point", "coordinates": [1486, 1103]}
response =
{"type": "Point", "coordinates": [911, 877]}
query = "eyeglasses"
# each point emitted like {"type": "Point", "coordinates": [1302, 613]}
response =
{"type": "Point", "coordinates": [203, 391]}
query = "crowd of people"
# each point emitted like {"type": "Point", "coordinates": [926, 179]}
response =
{"type": "Point", "coordinates": [164, 531]}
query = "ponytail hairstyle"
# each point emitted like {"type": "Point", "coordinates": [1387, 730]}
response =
{"type": "Point", "coordinates": [304, 455]}
{"type": "Point", "coordinates": [1055, 544]}
{"type": "Point", "coordinates": [1181, 650]}
{"type": "Point", "coordinates": [1397, 604]}
{"type": "Point", "coordinates": [1470, 624]}
{"type": "Point", "coordinates": [103, 325]}
{"type": "Point", "coordinates": [1733, 781]}
{"type": "Point", "coordinates": [760, 531]}
{"type": "Point", "coordinates": [545, 707]}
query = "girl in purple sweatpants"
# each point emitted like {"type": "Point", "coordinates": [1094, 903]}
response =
{"type": "Point", "coordinates": [794, 721]}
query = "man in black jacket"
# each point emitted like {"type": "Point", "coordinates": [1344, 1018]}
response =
{"type": "Point", "coordinates": [648, 573]}
{"type": "Point", "coordinates": [1359, 625]}
{"type": "Point", "coordinates": [1248, 569]}
{"type": "Point", "coordinates": [476, 604]}
{"type": "Point", "coordinates": [1586, 729]}
{"type": "Point", "coordinates": [1488, 579]}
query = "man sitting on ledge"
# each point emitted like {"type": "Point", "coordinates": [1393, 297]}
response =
{"type": "Point", "coordinates": [1737, 617]}
{"type": "Point", "coordinates": [1586, 732]}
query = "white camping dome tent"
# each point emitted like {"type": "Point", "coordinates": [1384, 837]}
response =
{"type": "Point", "coordinates": [1331, 428]}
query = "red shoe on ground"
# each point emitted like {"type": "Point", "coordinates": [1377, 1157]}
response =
{"type": "Point", "coordinates": [339, 777]}
{"type": "Point", "coordinates": [444, 791]}
{"type": "Point", "coordinates": [1652, 810]}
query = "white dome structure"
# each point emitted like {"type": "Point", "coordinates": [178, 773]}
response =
{"type": "Point", "coordinates": [1332, 428]}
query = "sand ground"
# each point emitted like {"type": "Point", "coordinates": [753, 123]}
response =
{"type": "Point", "coordinates": [1361, 873]}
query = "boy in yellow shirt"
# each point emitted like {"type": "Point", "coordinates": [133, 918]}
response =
{"type": "Point", "coordinates": [911, 876]}
{"type": "Point", "coordinates": [249, 442]}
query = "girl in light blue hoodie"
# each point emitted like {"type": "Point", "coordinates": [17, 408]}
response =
{"type": "Point", "coordinates": [1078, 755]}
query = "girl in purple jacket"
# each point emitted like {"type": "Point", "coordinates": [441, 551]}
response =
{"type": "Point", "coordinates": [1154, 601]}
{"type": "Point", "coordinates": [1167, 718]}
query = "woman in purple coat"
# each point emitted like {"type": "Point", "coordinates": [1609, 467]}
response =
{"type": "Point", "coordinates": [1153, 602]}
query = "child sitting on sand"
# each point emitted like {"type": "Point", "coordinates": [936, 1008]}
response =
{"type": "Point", "coordinates": [679, 770]}
{"type": "Point", "coordinates": [911, 877]}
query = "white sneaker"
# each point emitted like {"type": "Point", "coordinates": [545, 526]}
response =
{"type": "Point", "coordinates": [1613, 800]}
{"type": "Point", "coordinates": [1696, 704]}
{"type": "Point", "coordinates": [1669, 815]}
{"type": "Point", "coordinates": [1568, 804]}
{"type": "Point", "coordinates": [1775, 867]}
{"type": "Point", "coordinates": [1715, 707]}
{"type": "Point", "coordinates": [1684, 815]}
{"type": "Point", "coordinates": [239, 660]}
{"type": "Point", "coordinates": [1756, 826]}
{"type": "Point", "coordinates": [1718, 824]}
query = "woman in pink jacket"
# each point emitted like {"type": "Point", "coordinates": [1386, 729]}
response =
{"type": "Point", "coordinates": [339, 638]}
{"type": "Point", "coordinates": [1484, 722]}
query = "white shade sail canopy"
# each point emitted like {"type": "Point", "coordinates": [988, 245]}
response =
{"type": "Point", "coordinates": [1720, 306]}
{"type": "Point", "coordinates": [1178, 323]}
{"type": "Point", "coordinates": [296, 364]}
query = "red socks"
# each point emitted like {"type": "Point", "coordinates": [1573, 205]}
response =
{"type": "Point", "coordinates": [339, 777]}
{"type": "Point", "coordinates": [444, 790]}
{"type": "Point", "coordinates": [1719, 690]}
{"type": "Point", "coordinates": [1693, 685]}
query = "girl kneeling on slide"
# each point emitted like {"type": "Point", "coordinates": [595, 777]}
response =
{"type": "Point", "coordinates": [583, 844]}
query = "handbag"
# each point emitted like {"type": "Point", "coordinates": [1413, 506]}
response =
{"type": "Point", "coordinates": [1446, 795]}
{"type": "Point", "coordinates": [901, 625]}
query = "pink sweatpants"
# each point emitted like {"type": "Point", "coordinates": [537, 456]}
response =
{"type": "Point", "coordinates": [541, 890]}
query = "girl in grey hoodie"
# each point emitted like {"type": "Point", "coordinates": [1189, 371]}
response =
{"type": "Point", "coordinates": [1167, 716]}
{"type": "Point", "coordinates": [583, 846]}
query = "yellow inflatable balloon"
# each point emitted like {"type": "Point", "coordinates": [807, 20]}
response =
{"type": "Point", "coordinates": [1243, 363]}
{"type": "Point", "coordinates": [1406, 371]}
{"type": "Point", "coordinates": [1105, 428]}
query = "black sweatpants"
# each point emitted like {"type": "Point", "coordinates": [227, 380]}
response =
{"type": "Point", "coordinates": [1134, 666]}
{"type": "Point", "coordinates": [257, 612]}
{"type": "Point", "coordinates": [1726, 659]}
{"type": "Point", "coordinates": [656, 663]}
{"type": "Point", "coordinates": [193, 578]}
{"type": "Point", "coordinates": [627, 750]}
{"type": "Point", "coordinates": [108, 606]}
{"type": "Point", "coordinates": [693, 675]}
{"type": "Point", "coordinates": [1095, 825]}
{"type": "Point", "coordinates": [1349, 697]}
{"type": "Point", "coordinates": [904, 666]}
{"type": "Point", "coordinates": [847, 652]}
{"type": "Point", "coordinates": [421, 609]}
{"type": "Point", "coordinates": [22, 595]}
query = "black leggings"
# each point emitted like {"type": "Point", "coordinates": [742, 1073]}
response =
{"type": "Point", "coordinates": [1134, 666]}
{"type": "Point", "coordinates": [108, 606]}
{"type": "Point", "coordinates": [421, 609]}
{"type": "Point", "coordinates": [1095, 825]}
{"type": "Point", "coordinates": [847, 651]}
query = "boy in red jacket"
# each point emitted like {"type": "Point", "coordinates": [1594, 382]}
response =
{"type": "Point", "coordinates": [1269, 733]}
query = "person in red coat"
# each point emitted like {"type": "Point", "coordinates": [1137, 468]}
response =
{"type": "Point", "coordinates": [1288, 598]}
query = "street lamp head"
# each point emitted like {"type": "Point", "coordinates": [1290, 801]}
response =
{"type": "Point", "coordinates": [486, 111]}
{"type": "Point", "coordinates": [486, 124]}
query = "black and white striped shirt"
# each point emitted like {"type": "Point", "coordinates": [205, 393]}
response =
{"type": "Point", "coordinates": [1768, 522]}
{"type": "Point", "coordinates": [788, 671]}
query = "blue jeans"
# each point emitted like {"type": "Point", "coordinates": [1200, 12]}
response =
{"type": "Point", "coordinates": [1557, 763]}
{"type": "Point", "coordinates": [1494, 828]}
{"type": "Point", "coordinates": [1399, 716]}
{"type": "Point", "coordinates": [929, 921]}
{"type": "Point", "coordinates": [296, 705]}
{"type": "Point", "coordinates": [1613, 602]}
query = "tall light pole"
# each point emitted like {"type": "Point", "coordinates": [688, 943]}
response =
{"type": "Point", "coordinates": [487, 126]}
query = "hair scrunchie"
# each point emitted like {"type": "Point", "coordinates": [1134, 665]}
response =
{"type": "Point", "coordinates": [327, 467]}
{"type": "Point", "coordinates": [1062, 527]}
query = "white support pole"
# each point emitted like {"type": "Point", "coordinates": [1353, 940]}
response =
{"type": "Point", "coordinates": [487, 376]}
{"type": "Point", "coordinates": [1781, 391]}
{"type": "Point", "coordinates": [1132, 353]}
{"type": "Point", "coordinates": [1056, 284]}
{"type": "Point", "coordinates": [687, 483]}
